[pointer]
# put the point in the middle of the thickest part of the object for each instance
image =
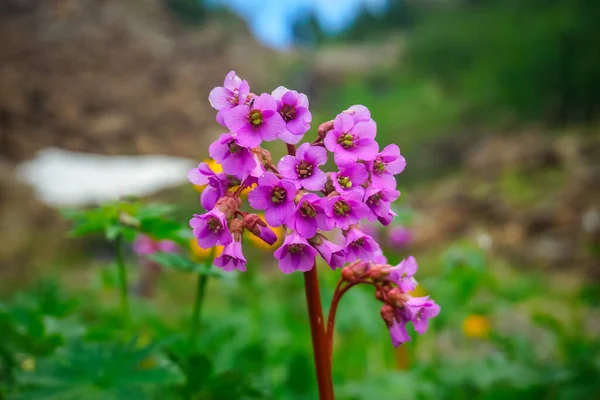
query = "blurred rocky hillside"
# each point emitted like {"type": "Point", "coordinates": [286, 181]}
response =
{"type": "Point", "coordinates": [113, 76]}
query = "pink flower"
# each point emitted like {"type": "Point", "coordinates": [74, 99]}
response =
{"type": "Point", "coordinates": [303, 168]}
{"type": "Point", "coordinates": [217, 184]}
{"type": "Point", "coordinates": [359, 246]}
{"type": "Point", "coordinates": [379, 258]}
{"type": "Point", "coordinates": [420, 310]}
{"type": "Point", "coordinates": [255, 122]}
{"type": "Point", "coordinates": [210, 229]}
{"type": "Point", "coordinates": [388, 218]}
{"type": "Point", "coordinates": [350, 179]}
{"type": "Point", "coordinates": [144, 245]}
{"type": "Point", "coordinates": [334, 255]}
{"type": "Point", "coordinates": [233, 93]}
{"type": "Point", "coordinates": [350, 141]}
{"type": "Point", "coordinates": [398, 331]}
{"type": "Point", "coordinates": [296, 254]}
{"type": "Point", "coordinates": [346, 210]}
{"type": "Point", "coordinates": [309, 216]}
{"type": "Point", "coordinates": [379, 201]}
{"type": "Point", "coordinates": [267, 235]}
{"type": "Point", "coordinates": [400, 236]}
{"type": "Point", "coordinates": [293, 108]}
{"type": "Point", "coordinates": [231, 258]}
{"type": "Point", "coordinates": [385, 165]}
{"type": "Point", "coordinates": [235, 159]}
{"type": "Point", "coordinates": [359, 113]}
{"type": "Point", "coordinates": [275, 196]}
{"type": "Point", "coordinates": [402, 274]}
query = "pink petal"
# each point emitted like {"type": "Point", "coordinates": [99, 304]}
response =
{"type": "Point", "coordinates": [260, 197]}
{"type": "Point", "coordinates": [316, 181]}
{"type": "Point", "coordinates": [306, 227]}
{"type": "Point", "coordinates": [343, 123]}
{"type": "Point", "coordinates": [366, 129]}
{"type": "Point", "coordinates": [316, 154]}
{"type": "Point", "coordinates": [288, 137]}
{"type": "Point", "coordinates": [287, 167]}
{"type": "Point", "coordinates": [237, 118]}
{"type": "Point", "coordinates": [219, 98]}
{"type": "Point", "coordinates": [330, 140]}
{"type": "Point", "coordinates": [279, 92]}
{"type": "Point", "coordinates": [196, 177]}
{"type": "Point", "coordinates": [265, 102]}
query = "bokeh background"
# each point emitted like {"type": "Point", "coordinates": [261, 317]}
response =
{"type": "Point", "coordinates": [494, 104]}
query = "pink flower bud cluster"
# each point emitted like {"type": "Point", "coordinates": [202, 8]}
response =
{"type": "Point", "coordinates": [393, 287]}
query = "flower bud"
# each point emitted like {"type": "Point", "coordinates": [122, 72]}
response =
{"type": "Point", "coordinates": [387, 314]}
{"type": "Point", "coordinates": [378, 272]}
{"type": "Point", "coordinates": [265, 156]}
{"type": "Point", "coordinates": [348, 274]}
{"type": "Point", "coordinates": [324, 128]}
{"type": "Point", "coordinates": [396, 297]}
{"type": "Point", "coordinates": [236, 227]}
{"type": "Point", "coordinates": [228, 206]}
{"type": "Point", "coordinates": [259, 228]}
{"type": "Point", "coordinates": [299, 195]}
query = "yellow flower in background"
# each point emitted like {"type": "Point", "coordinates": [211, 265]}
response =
{"type": "Point", "coordinates": [215, 166]}
{"type": "Point", "coordinates": [476, 326]}
{"type": "Point", "coordinates": [201, 254]}
{"type": "Point", "coordinates": [245, 191]}
{"type": "Point", "coordinates": [28, 364]}
{"type": "Point", "coordinates": [258, 242]}
{"type": "Point", "coordinates": [418, 292]}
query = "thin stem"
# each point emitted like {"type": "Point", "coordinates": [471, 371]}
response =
{"type": "Point", "coordinates": [201, 282]}
{"type": "Point", "coordinates": [317, 330]}
{"type": "Point", "coordinates": [335, 301]}
{"type": "Point", "coordinates": [122, 270]}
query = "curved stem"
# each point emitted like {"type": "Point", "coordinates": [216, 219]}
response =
{"type": "Point", "coordinates": [335, 301]}
{"type": "Point", "coordinates": [320, 351]}
{"type": "Point", "coordinates": [201, 282]}
{"type": "Point", "coordinates": [122, 270]}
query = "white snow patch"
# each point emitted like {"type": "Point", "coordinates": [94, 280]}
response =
{"type": "Point", "coordinates": [65, 178]}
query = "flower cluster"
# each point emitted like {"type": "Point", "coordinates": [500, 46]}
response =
{"type": "Point", "coordinates": [294, 193]}
{"type": "Point", "coordinates": [394, 285]}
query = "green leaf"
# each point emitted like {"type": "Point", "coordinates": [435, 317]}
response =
{"type": "Point", "coordinates": [99, 371]}
{"type": "Point", "coordinates": [182, 263]}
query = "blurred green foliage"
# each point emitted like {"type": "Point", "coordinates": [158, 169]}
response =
{"type": "Point", "coordinates": [502, 334]}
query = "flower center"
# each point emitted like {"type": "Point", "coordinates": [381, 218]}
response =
{"type": "Point", "coordinates": [379, 166]}
{"type": "Point", "coordinates": [374, 199]}
{"type": "Point", "coordinates": [256, 118]}
{"type": "Point", "coordinates": [346, 140]}
{"type": "Point", "coordinates": [341, 208]}
{"type": "Point", "coordinates": [234, 148]}
{"type": "Point", "coordinates": [304, 169]}
{"type": "Point", "coordinates": [278, 195]}
{"type": "Point", "coordinates": [307, 210]}
{"type": "Point", "coordinates": [287, 112]}
{"type": "Point", "coordinates": [295, 248]}
{"type": "Point", "coordinates": [358, 242]}
{"type": "Point", "coordinates": [235, 98]}
{"type": "Point", "coordinates": [344, 182]}
{"type": "Point", "coordinates": [214, 224]}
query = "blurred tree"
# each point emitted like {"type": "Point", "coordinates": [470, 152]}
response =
{"type": "Point", "coordinates": [533, 59]}
{"type": "Point", "coordinates": [190, 12]}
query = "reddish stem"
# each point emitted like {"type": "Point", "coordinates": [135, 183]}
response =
{"type": "Point", "coordinates": [317, 330]}
{"type": "Point", "coordinates": [321, 353]}
{"type": "Point", "coordinates": [335, 301]}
